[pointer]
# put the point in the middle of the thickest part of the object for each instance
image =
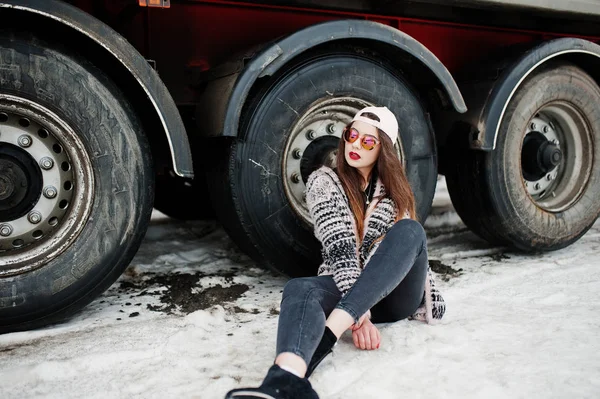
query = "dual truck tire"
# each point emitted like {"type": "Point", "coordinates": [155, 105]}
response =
{"type": "Point", "coordinates": [69, 233]}
{"type": "Point", "coordinates": [509, 200]}
{"type": "Point", "coordinates": [103, 172]}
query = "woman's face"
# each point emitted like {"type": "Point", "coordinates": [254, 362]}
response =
{"type": "Point", "coordinates": [356, 155]}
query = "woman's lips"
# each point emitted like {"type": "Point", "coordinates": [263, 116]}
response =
{"type": "Point", "coordinates": [354, 156]}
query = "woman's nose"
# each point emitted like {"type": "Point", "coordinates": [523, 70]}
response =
{"type": "Point", "coordinates": [356, 144]}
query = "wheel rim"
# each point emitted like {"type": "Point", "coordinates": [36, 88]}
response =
{"type": "Point", "coordinates": [312, 142]}
{"type": "Point", "coordinates": [46, 186]}
{"type": "Point", "coordinates": [556, 156]}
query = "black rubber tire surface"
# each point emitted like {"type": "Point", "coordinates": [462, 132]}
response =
{"type": "Point", "coordinates": [93, 106]}
{"type": "Point", "coordinates": [252, 204]}
{"type": "Point", "coordinates": [465, 178]}
{"type": "Point", "coordinates": [487, 188]}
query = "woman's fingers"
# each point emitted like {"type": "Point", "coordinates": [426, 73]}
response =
{"type": "Point", "coordinates": [355, 339]}
{"type": "Point", "coordinates": [361, 339]}
{"type": "Point", "coordinates": [366, 337]}
{"type": "Point", "coordinates": [374, 338]}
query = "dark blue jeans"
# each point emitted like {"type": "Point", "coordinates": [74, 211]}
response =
{"type": "Point", "coordinates": [391, 285]}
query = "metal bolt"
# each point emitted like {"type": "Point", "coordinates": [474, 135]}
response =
{"type": "Point", "coordinates": [555, 142]}
{"type": "Point", "coordinates": [5, 230]}
{"type": "Point", "coordinates": [46, 163]}
{"type": "Point", "coordinates": [34, 217]}
{"type": "Point", "coordinates": [331, 128]}
{"type": "Point", "coordinates": [297, 153]}
{"type": "Point", "coordinates": [24, 140]}
{"type": "Point", "coordinates": [549, 177]}
{"type": "Point", "coordinates": [50, 192]}
{"type": "Point", "coordinates": [545, 129]}
{"type": "Point", "coordinates": [311, 135]}
{"type": "Point", "coordinates": [296, 178]}
{"type": "Point", "coordinates": [533, 126]}
{"type": "Point", "coordinates": [537, 186]}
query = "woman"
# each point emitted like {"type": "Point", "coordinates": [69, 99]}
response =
{"type": "Point", "coordinates": [374, 259]}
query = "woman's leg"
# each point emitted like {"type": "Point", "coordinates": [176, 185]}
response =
{"type": "Point", "coordinates": [405, 299]}
{"type": "Point", "coordinates": [305, 305]}
{"type": "Point", "coordinates": [401, 255]}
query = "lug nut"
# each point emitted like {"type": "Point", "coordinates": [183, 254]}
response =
{"type": "Point", "coordinates": [545, 129]}
{"type": "Point", "coordinates": [533, 126]}
{"type": "Point", "coordinates": [5, 230]}
{"type": "Point", "coordinates": [297, 153]}
{"type": "Point", "coordinates": [296, 178]}
{"type": "Point", "coordinates": [311, 135]}
{"type": "Point", "coordinates": [331, 128]}
{"type": "Point", "coordinates": [46, 163]}
{"type": "Point", "coordinates": [34, 217]}
{"type": "Point", "coordinates": [24, 140]}
{"type": "Point", "coordinates": [555, 142]}
{"type": "Point", "coordinates": [537, 186]}
{"type": "Point", "coordinates": [549, 177]}
{"type": "Point", "coordinates": [50, 192]}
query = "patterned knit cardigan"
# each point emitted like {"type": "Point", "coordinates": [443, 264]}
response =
{"type": "Point", "coordinates": [344, 254]}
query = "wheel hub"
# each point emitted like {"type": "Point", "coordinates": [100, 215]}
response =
{"type": "Point", "coordinates": [322, 151]}
{"type": "Point", "coordinates": [20, 182]}
{"type": "Point", "coordinates": [556, 156]}
{"type": "Point", "coordinates": [44, 168]}
{"type": "Point", "coordinates": [539, 157]}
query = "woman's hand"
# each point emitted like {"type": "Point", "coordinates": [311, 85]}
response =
{"type": "Point", "coordinates": [366, 336]}
{"type": "Point", "coordinates": [362, 319]}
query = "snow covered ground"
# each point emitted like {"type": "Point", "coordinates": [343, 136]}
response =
{"type": "Point", "coordinates": [193, 317]}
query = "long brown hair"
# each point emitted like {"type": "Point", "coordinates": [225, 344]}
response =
{"type": "Point", "coordinates": [392, 175]}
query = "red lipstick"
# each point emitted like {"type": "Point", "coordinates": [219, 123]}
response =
{"type": "Point", "coordinates": [354, 156]}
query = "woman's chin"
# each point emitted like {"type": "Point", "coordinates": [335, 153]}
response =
{"type": "Point", "coordinates": [355, 163]}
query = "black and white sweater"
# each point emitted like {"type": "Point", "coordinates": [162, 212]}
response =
{"type": "Point", "coordinates": [344, 253]}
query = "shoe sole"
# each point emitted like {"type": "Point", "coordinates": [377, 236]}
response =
{"type": "Point", "coordinates": [249, 394]}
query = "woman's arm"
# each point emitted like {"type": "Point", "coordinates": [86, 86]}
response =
{"type": "Point", "coordinates": [333, 226]}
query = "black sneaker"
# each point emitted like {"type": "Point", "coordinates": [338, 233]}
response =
{"type": "Point", "coordinates": [278, 384]}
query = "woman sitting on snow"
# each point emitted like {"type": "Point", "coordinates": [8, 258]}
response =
{"type": "Point", "coordinates": [375, 266]}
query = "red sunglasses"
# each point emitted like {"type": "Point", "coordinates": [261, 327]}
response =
{"type": "Point", "coordinates": [368, 142]}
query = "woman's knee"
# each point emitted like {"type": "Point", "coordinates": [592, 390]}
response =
{"type": "Point", "coordinates": [298, 287]}
{"type": "Point", "coordinates": [408, 229]}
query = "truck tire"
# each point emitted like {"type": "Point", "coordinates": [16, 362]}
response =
{"type": "Point", "coordinates": [76, 186]}
{"type": "Point", "coordinates": [538, 190]}
{"type": "Point", "coordinates": [292, 126]}
{"type": "Point", "coordinates": [464, 179]}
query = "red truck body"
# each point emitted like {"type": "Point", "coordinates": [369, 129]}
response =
{"type": "Point", "coordinates": [195, 36]}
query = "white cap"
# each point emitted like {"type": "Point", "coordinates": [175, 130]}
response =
{"type": "Point", "coordinates": [387, 121]}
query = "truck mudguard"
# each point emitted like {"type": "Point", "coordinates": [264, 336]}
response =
{"type": "Point", "coordinates": [117, 47]}
{"type": "Point", "coordinates": [581, 52]}
{"type": "Point", "coordinates": [277, 54]}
